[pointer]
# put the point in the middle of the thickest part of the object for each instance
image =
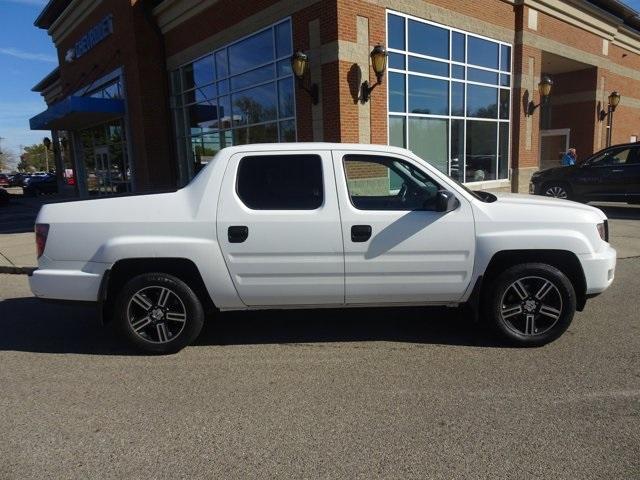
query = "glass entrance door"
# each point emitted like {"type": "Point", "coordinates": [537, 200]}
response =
{"type": "Point", "coordinates": [107, 166]}
{"type": "Point", "coordinates": [553, 145]}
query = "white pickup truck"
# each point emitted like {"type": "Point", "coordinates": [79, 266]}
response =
{"type": "Point", "coordinates": [322, 225]}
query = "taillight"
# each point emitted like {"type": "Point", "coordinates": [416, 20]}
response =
{"type": "Point", "coordinates": [42, 231]}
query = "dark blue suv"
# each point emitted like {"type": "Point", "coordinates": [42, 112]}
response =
{"type": "Point", "coordinates": [611, 175]}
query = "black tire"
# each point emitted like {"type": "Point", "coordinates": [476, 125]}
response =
{"type": "Point", "coordinates": [557, 190]}
{"type": "Point", "coordinates": [151, 336]}
{"type": "Point", "coordinates": [536, 324]}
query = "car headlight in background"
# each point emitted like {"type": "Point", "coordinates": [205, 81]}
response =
{"type": "Point", "coordinates": [603, 230]}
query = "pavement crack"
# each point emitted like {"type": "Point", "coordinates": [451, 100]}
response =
{"type": "Point", "coordinates": [7, 259]}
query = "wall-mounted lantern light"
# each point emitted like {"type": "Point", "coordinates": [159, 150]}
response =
{"type": "Point", "coordinates": [544, 89]}
{"type": "Point", "coordinates": [379, 63]}
{"type": "Point", "coordinates": [614, 101]}
{"type": "Point", "coordinates": [299, 64]}
{"type": "Point", "coordinates": [47, 143]}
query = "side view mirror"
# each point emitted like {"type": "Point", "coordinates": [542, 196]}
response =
{"type": "Point", "coordinates": [446, 201]}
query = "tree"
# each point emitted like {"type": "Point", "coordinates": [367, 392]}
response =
{"type": "Point", "coordinates": [7, 160]}
{"type": "Point", "coordinates": [34, 158]}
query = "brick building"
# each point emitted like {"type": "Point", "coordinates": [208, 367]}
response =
{"type": "Point", "coordinates": [147, 91]}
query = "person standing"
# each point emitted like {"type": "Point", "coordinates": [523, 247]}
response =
{"type": "Point", "coordinates": [569, 158]}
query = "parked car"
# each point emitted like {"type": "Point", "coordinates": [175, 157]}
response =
{"type": "Point", "coordinates": [332, 225]}
{"type": "Point", "coordinates": [17, 179]}
{"type": "Point", "coordinates": [4, 180]}
{"type": "Point", "coordinates": [611, 175]}
{"type": "Point", "coordinates": [39, 185]}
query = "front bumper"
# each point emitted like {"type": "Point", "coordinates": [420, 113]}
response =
{"type": "Point", "coordinates": [535, 188]}
{"type": "Point", "coordinates": [599, 269]}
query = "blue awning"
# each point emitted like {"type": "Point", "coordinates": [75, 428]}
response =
{"type": "Point", "coordinates": [76, 112]}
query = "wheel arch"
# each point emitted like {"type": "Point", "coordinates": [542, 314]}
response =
{"type": "Point", "coordinates": [565, 261]}
{"type": "Point", "coordinates": [125, 269]}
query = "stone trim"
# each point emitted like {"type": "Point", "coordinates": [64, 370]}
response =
{"type": "Point", "coordinates": [315, 73]}
{"type": "Point", "coordinates": [443, 16]}
{"type": "Point", "coordinates": [364, 109]}
{"type": "Point", "coordinates": [545, 44]}
{"type": "Point", "coordinates": [251, 24]}
{"type": "Point", "coordinates": [70, 18]}
{"type": "Point", "coordinates": [171, 13]}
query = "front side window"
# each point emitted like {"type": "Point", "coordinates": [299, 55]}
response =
{"type": "Point", "coordinates": [618, 157]}
{"type": "Point", "coordinates": [280, 182]}
{"type": "Point", "coordinates": [449, 98]}
{"type": "Point", "coordinates": [385, 183]}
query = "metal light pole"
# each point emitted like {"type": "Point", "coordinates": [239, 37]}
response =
{"type": "Point", "coordinates": [47, 145]}
{"type": "Point", "coordinates": [614, 101]}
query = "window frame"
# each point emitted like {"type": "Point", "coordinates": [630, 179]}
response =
{"type": "Point", "coordinates": [387, 158]}
{"type": "Point", "coordinates": [226, 134]}
{"type": "Point", "coordinates": [406, 114]}
{"type": "Point", "coordinates": [252, 155]}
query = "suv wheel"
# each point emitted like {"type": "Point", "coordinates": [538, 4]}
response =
{"type": "Point", "coordinates": [557, 190]}
{"type": "Point", "coordinates": [531, 304]}
{"type": "Point", "coordinates": [158, 313]}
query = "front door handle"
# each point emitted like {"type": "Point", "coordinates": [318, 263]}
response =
{"type": "Point", "coordinates": [360, 233]}
{"type": "Point", "coordinates": [619, 170]}
{"type": "Point", "coordinates": [238, 234]}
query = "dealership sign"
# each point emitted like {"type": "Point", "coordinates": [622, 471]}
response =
{"type": "Point", "coordinates": [99, 32]}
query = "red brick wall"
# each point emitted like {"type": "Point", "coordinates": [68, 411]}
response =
{"type": "Point", "coordinates": [580, 115]}
{"type": "Point", "coordinates": [135, 46]}
{"type": "Point", "coordinates": [626, 118]}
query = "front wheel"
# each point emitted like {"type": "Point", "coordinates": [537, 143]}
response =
{"type": "Point", "coordinates": [530, 305]}
{"type": "Point", "coordinates": [158, 313]}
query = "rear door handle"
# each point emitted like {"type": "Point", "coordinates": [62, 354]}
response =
{"type": "Point", "coordinates": [238, 234]}
{"type": "Point", "coordinates": [620, 170]}
{"type": "Point", "coordinates": [360, 233]}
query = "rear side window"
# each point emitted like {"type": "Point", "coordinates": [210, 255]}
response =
{"type": "Point", "coordinates": [281, 182]}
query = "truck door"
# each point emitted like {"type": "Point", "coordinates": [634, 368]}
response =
{"type": "Point", "coordinates": [398, 249]}
{"type": "Point", "coordinates": [278, 224]}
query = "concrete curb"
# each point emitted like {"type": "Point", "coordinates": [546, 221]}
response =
{"type": "Point", "coordinates": [13, 270]}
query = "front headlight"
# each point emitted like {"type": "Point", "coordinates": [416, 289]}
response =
{"type": "Point", "coordinates": [603, 230]}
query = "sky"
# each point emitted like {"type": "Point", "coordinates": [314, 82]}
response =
{"type": "Point", "coordinates": [26, 56]}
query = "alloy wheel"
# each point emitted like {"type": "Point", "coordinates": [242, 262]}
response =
{"type": "Point", "coordinates": [557, 192]}
{"type": "Point", "coordinates": [156, 314]}
{"type": "Point", "coordinates": [531, 306]}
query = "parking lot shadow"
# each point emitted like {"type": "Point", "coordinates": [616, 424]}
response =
{"type": "Point", "coordinates": [33, 326]}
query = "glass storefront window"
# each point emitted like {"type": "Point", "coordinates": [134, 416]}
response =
{"type": "Point", "coordinates": [428, 95]}
{"type": "Point", "coordinates": [482, 151]}
{"type": "Point", "coordinates": [449, 95]}
{"type": "Point", "coordinates": [241, 93]}
{"type": "Point", "coordinates": [427, 39]}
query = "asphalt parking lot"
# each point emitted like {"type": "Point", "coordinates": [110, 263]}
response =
{"type": "Point", "coordinates": [393, 393]}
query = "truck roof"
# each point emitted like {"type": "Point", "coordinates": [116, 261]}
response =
{"type": "Point", "coordinates": [262, 147]}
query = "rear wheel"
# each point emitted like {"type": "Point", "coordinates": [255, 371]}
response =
{"type": "Point", "coordinates": [158, 313]}
{"type": "Point", "coordinates": [530, 305]}
{"type": "Point", "coordinates": [557, 190]}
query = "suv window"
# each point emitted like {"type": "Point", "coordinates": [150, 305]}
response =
{"type": "Point", "coordinates": [385, 183]}
{"type": "Point", "coordinates": [617, 157]}
{"type": "Point", "coordinates": [280, 182]}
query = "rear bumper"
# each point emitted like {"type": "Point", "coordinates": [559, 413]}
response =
{"type": "Point", "coordinates": [599, 270]}
{"type": "Point", "coordinates": [72, 285]}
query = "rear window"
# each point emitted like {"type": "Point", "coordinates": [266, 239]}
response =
{"type": "Point", "coordinates": [281, 182]}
